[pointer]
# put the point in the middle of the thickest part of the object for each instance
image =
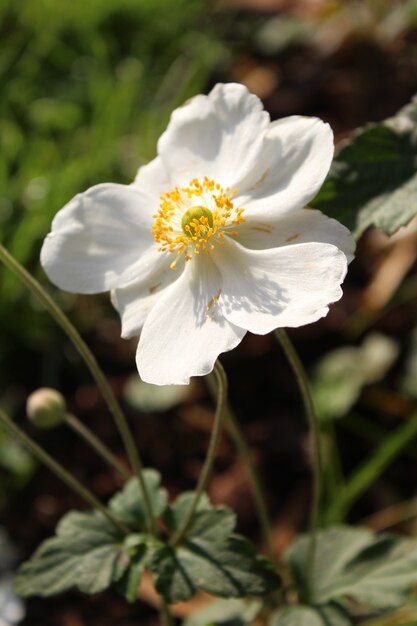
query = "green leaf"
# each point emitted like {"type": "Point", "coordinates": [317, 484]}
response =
{"type": "Point", "coordinates": [340, 376]}
{"type": "Point", "coordinates": [373, 178]}
{"type": "Point", "coordinates": [209, 523]}
{"type": "Point", "coordinates": [153, 398]}
{"type": "Point", "coordinates": [226, 613]}
{"type": "Point", "coordinates": [128, 583]}
{"type": "Point", "coordinates": [83, 554]}
{"type": "Point", "coordinates": [376, 571]}
{"type": "Point", "coordinates": [328, 615]}
{"type": "Point", "coordinates": [296, 616]}
{"type": "Point", "coordinates": [129, 506]}
{"type": "Point", "coordinates": [210, 557]}
{"type": "Point", "coordinates": [89, 553]}
{"type": "Point", "coordinates": [334, 615]}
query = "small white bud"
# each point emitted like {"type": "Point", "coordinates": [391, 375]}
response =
{"type": "Point", "coordinates": [46, 407]}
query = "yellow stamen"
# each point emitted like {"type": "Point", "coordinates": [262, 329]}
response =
{"type": "Point", "coordinates": [195, 218]}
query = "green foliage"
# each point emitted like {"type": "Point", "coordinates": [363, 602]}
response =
{"type": "Point", "coordinates": [375, 571]}
{"type": "Point", "coordinates": [89, 553]}
{"type": "Point", "coordinates": [153, 398]}
{"type": "Point", "coordinates": [340, 375]}
{"type": "Point", "coordinates": [330, 615]}
{"type": "Point", "coordinates": [83, 554]}
{"type": "Point", "coordinates": [372, 181]}
{"type": "Point", "coordinates": [373, 467]}
{"type": "Point", "coordinates": [209, 557]}
{"type": "Point", "coordinates": [90, 87]}
{"type": "Point", "coordinates": [128, 505]}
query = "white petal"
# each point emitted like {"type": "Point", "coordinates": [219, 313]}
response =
{"type": "Point", "coordinates": [218, 136]}
{"type": "Point", "coordinates": [101, 239]}
{"type": "Point", "coordinates": [135, 301]}
{"type": "Point", "coordinates": [153, 178]}
{"type": "Point", "coordinates": [185, 332]}
{"type": "Point", "coordinates": [288, 286]}
{"type": "Point", "coordinates": [291, 168]}
{"type": "Point", "coordinates": [299, 226]}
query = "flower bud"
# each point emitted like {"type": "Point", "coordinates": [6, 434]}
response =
{"type": "Point", "coordinates": [46, 407]}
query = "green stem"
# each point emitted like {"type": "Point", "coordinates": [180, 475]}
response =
{"type": "Point", "coordinates": [60, 471]}
{"type": "Point", "coordinates": [258, 494]}
{"type": "Point", "coordinates": [302, 381]}
{"type": "Point", "coordinates": [165, 613]}
{"type": "Point", "coordinates": [372, 469]}
{"type": "Point", "coordinates": [98, 446]}
{"type": "Point", "coordinates": [211, 453]}
{"type": "Point", "coordinates": [95, 370]}
{"type": "Point", "coordinates": [332, 475]}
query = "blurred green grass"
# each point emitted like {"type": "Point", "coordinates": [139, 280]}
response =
{"type": "Point", "coordinates": [87, 87]}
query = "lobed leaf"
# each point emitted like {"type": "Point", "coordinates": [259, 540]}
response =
{"type": "Point", "coordinates": [377, 571]}
{"type": "Point", "coordinates": [89, 553]}
{"type": "Point", "coordinates": [83, 554]}
{"type": "Point", "coordinates": [210, 557]}
{"type": "Point", "coordinates": [373, 178]}
{"type": "Point", "coordinates": [129, 505]}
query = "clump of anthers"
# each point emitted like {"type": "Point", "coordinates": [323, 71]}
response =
{"type": "Point", "coordinates": [195, 218]}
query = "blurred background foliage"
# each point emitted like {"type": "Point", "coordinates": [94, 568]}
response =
{"type": "Point", "coordinates": [87, 87]}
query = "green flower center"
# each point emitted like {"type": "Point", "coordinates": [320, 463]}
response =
{"type": "Point", "coordinates": [197, 221]}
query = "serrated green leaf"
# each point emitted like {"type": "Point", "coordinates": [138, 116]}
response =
{"type": "Point", "coordinates": [376, 571]}
{"type": "Point", "coordinates": [226, 613]}
{"type": "Point", "coordinates": [209, 557]}
{"type": "Point", "coordinates": [129, 506]}
{"type": "Point", "coordinates": [373, 178]}
{"type": "Point", "coordinates": [84, 554]}
{"type": "Point", "coordinates": [89, 553]}
{"type": "Point", "coordinates": [228, 569]}
{"type": "Point", "coordinates": [327, 615]}
{"type": "Point", "coordinates": [171, 578]}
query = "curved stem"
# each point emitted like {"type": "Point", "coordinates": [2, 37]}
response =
{"type": "Point", "coordinates": [96, 444]}
{"type": "Point", "coordinates": [94, 368]}
{"type": "Point", "coordinates": [258, 494]}
{"type": "Point", "coordinates": [302, 381]}
{"type": "Point", "coordinates": [211, 453]}
{"type": "Point", "coordinates": [60, 471]}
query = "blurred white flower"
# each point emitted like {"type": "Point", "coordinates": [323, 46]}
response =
{"type": "Point", "coordinates": [12, 608]}
{"type": "Point", "coordinates": [212, 239]}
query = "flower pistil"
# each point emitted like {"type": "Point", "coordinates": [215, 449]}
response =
{"type": "Point", "coordinates": [194, 218]}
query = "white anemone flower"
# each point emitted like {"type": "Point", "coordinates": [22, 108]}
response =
{"type": "Point", "coordinates": [212, 239]}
